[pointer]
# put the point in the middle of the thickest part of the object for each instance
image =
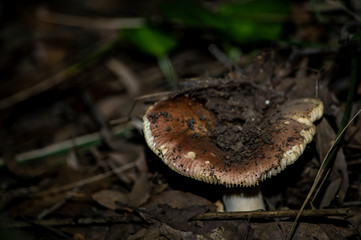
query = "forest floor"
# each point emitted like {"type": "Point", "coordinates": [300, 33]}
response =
{"type": "Point", "coordinates": [74, 89]}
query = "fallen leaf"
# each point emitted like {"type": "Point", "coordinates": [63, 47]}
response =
{"type": "Point", "coordinates": [140, 191]}
{"type": "Point", "coordinates": [109, 198]}
{"type": "Point", "coordinates": [180, 200]}
{"type": "Point", "coordinates": [338, 179]}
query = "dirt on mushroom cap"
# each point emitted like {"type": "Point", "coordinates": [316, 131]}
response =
{"type": "Point", "coordinates": [240, 110]}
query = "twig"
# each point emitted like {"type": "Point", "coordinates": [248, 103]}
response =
{"type": "Point", "coordinates": [86, 22]}
{"type": "Point", "coordinates": [88, 140]}
{"type": "Point", "coordinates": [354, 162]}
{"type": "Point", "coordinates": [344, 8]}
{"type": "Point", "coordinates": [222, 58]}
{"type": "Point", "coordinates": [154, 95]}
{"type": "Point", "coordinates": [87, 180]}
{"type": "Point", "coordinates": [99, 119]}
{"type": "Point", "coordinates": [298, 53]}
{"type": "Point", "coordinates": [57, 205]}
{"type": "Point", "coordinates": [59, 77]}
{"type": "Point", "coordinates": [272, 214]}
{"type": "Point", "coordinates": [38, 88]}
{"type": "Point", "coordinates": [352, 203]}
{"type": "Point", "coordinates": [127, 78]}
{"type": "Point", "coordinates": [70, 221]}
{"type": "Point", "coordinates": [126, 218]}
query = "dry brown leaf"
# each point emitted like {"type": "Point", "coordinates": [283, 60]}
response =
{"type": "Point", "coordinates": [171, 233]}
{"type": "Point", "coordinates": [330, 193]}
{"type": "Point", "coordinates": [240, 229]}
{"type": "Point", "coordinates": [109, 198]}
{"type": "Point", "coordinates": [163, 231]}
{"type": "Point", "coordinates": [354, 134]}
{"type": "Point", "coordinates": [137, 196]}
{"type": "Point", "coordinates": [141, 190]}
{"type": "Point", "coordinates": [114, 106]}
{"type": "Point", "coordinates": [179, 199]}
{"type": "Point", "coordinates": [355, 219]}
{"type": "Point", "coordinates": [338, 179]}
{"type": "Point", "coordinates": [133, 153]}
{"type": "Point", "coordinates": [128, 78]}
{"type": "Point", "coordinates": [321, 231]}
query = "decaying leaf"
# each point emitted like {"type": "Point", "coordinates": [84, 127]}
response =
{"type": "Point", "coordinates": [139, 195]}
{"type": "Point", "coordinates": [108, 198]}
{"type": "Point", "coordinates": [140, 191]}
{"type": "Point", "coordinates": [338, 179]}
{"type": "Point", "coordinates": [180, 200]}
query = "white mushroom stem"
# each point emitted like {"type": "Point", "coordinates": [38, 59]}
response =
{"type": "Point", "coordinates": [243, 199]}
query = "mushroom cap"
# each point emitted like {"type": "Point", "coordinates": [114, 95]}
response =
{"type": "Point", "coordinates": [177, 130]}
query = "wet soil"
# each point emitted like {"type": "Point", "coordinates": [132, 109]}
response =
{"type": "Point", "coordinates": [240, 109]}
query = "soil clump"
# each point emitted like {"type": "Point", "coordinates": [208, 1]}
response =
{"type": "Point", "coordinates": [240, 110]}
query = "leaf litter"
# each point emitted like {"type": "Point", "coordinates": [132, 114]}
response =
{"type": "Point", "coordinates": [102, 197]}
{"type": "Point", "coordinates": [168, 212]}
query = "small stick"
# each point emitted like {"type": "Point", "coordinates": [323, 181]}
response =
{"type": "Point", "coordinates": [88, 22]}
{"type": "Point", "coordinates": [87, 180]}
{"type": "Point", "coordinates": [222, 58]}
{"type": "Point", "coordinates": [205, 217]}
{"type": "Point", "coordinates": [59, 77]}
{"type": "Point", "coordinates": [69, 221]}
{"type": "Point", "coordinates": [272, 214]}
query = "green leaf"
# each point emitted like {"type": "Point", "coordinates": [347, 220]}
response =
{"type": "Point", "coordinates": [254, 20]}
{"type": "Point", "coordinates": [258, 10]}
{"type": "Point", "coordinates": [356, 37]}
{"type": "Point", "coordinates": [191, 14]}
{"type": "Point", "coordinates": [242, 22]}
{"type": "Point", "coordinates": [150, 40]}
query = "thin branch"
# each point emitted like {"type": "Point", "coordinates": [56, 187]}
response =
{"type": "Point", "coordinates": [87, 22]}
{"type": "Point", "coordinates": [222, 58]}
{"type": "Point", "coordinates": [85, 141]}
{"type": "Point", "coordinates": [5, 223]}
{"type": "Point", "coordinates": [272, 214]}
{"type": "Point", "coordinates": [127, 218]}
{"type": "Point", "coordinates": [87, 180]}
{"type": "Point", "coordinates": [59, 77]}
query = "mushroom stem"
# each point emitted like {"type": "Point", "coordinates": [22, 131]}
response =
{"type": "Point", "coordinates": [243, 199]}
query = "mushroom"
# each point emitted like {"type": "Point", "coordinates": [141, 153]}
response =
{"type": "Point", "coordinates": [178, 131]}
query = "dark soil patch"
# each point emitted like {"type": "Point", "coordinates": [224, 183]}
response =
{"type": "Point", "coordinates": [240, 109]}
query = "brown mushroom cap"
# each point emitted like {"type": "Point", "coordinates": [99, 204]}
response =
{"type": "Point", "coordinates": [177, 130]}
